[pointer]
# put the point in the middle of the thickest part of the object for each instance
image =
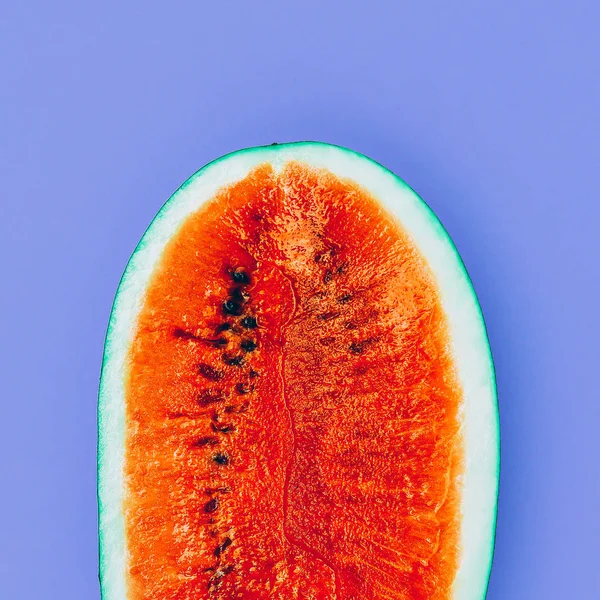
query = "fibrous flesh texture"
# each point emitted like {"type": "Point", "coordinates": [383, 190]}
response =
{"type": "Point", "coordinates": [292, 406]}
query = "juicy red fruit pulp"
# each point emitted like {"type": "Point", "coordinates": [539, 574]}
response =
{"type": "Point", "coordinates": [292, 427]}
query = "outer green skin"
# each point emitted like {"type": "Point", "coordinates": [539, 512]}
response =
{"type": "Point", "coordinates": [436, 223]}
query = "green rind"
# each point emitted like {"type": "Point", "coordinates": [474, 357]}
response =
{"type": "Point", "coordinates": [436, 225]}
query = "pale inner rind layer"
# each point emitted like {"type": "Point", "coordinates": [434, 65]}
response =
{"type": "Point", "coordinates": [470, 347]}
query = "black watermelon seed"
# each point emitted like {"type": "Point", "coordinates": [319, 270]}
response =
{"type": "Point", "coordinates": [239, 275]}
{"type": "Point", "coordinates": [342, 268]}
{"type": "Point", "coordinates": [248, 345]}
{"type": "Point", "coordinates": [345, 298]}
{"type": "Point", "coordinates": [211, 506]}
{"type": "Point", "coordinates": [209, 372]}
{"type": "Point", "coordinates": [229, 409]}
{"type": "Point", "coordinates": [357, 347]}
{"type": "Point", "coordinates": [253, 373]}
{"type": "Point", "coordinates": [208, 440]}
{"type": "Point", "coordinates": [231, 307]}
{"type": "Point", "coordinates": [221, 458]}
{"type": "Point", "coordinates": [239, 295]}
{"type": "Point", "coordinates": [223, 327]}
{"type": "Point", "coordinates": [248, 322]}
{"type": "Point", "coordinates": [222, 547]}
{"type": "Point", "coordinates": [242, 388]}
{"type": "Point", "coordinates": [233, 361]}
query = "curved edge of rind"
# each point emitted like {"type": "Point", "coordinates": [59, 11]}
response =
{"type": "Point", "coordinates": [434, 222]}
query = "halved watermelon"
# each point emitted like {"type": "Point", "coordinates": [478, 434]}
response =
{"type": "Point", "coordinates": [297, 397]}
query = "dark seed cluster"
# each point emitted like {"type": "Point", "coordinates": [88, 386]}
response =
{"type": "Point", "coordinates": [238, 296]}
{"type": "Point", "coordinates": [335, 289]}
{"type": "Point", "coordinates": [229, 334]}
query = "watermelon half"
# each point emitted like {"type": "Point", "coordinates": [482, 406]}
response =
{"type": "Point", "coordinates": [297, 397]}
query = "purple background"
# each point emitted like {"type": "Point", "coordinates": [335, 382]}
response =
{"type": "Point", "coordinates": [488, 109]}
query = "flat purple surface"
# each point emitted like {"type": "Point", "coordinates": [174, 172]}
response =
{"type": "Point", "coordinates": [490, 110]}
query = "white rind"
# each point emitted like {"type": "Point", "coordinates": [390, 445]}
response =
{"type": "Point", "coordinates": [471, 350]}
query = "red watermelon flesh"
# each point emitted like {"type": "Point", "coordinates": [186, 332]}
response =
{"type": "Point", "coordinates": [292, 425]}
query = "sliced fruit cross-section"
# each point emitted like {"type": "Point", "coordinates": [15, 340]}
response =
{"type": "Point", "coordinates": [297, 398]}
